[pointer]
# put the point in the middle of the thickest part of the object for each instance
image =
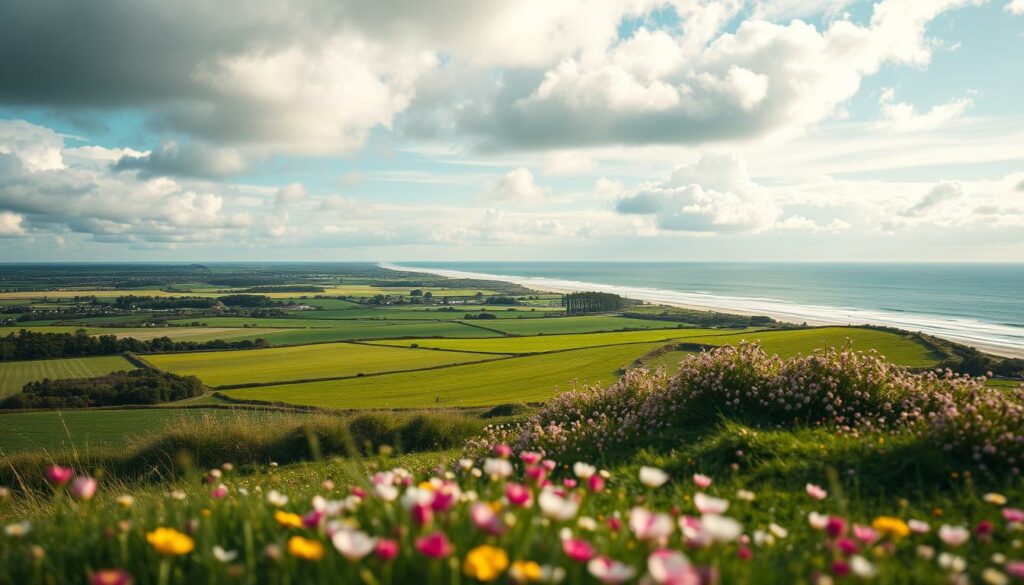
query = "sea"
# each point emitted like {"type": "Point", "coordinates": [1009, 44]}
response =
{"type": "Point", "coordinates": [976, 304]}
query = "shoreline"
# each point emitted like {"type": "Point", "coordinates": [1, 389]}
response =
{"type": "Point", "coordinates": [814, 316]}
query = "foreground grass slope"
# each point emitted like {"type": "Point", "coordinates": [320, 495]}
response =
{"type": "Point", "coordinates": [219, 368]}
{"type": "Point", "coordinates": [14, 375]}
{"type": "Point", "coordinates": [523, 379]}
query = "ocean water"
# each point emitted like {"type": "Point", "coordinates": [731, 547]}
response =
{"type": "Point", "coordinates": [978, 304]}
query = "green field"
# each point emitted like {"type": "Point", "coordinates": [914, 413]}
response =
{"type": "Point", "coordinates": [220, 368]}
{"type": "Point", "coordinates": [525, 379]}
{"type": "Point", "coordinates": [424, 313]}
{"type": "Point", "coordinates": [147, 333]}
{"type": "Point", "coordinates": [14, 375]}
{"type": "Point", "coordinates": [543, 343]}
{"type": "Point", "coordinates": [84, 430]}
{"type": "Point", "coordinates": [556, 325]}
{"type": "Point", "coordinates": [669, 360]}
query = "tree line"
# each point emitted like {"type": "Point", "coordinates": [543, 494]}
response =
{"type": "Point", "coordinates": [591, 302]}
{"type": "Point", "coordinates": [30, 345]}
{"type": "Point", "coordinates": [141, 386]}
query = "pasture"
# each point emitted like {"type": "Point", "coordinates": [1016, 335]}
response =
{"type": "Point", "coordinates": [328, 360]}
{"type": "Point", "coordinates": [559, 325]}
{"type": "Point", "coordinates": [14, 375]}
{"type": "Point", "coordinates": [524, 379]}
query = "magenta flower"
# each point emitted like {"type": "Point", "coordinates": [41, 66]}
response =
{"type": "Point", "coordinates": [847, 546]}
{"type": "Point", "coordinates": [578, 550]}
{"type": "Point", "coordinates": [1015, 569]}
{"type": "Point", "coordinates": [530, 457]}
{"type": "Point", "coordinates": [518, 494]}
{"type": "Point", "coordinates": [83, 488]}
{"type": "Point", "coordinates": [313, 518]}
{"type": "Point", "coordinates": [59, 475]}
{"type": "Point", "coordinates": [445, 497]}
{"type": "Point", "coordinates": [219, 492]}
{"type": "Point", "coordinates": [503, 450]}
{"type": "Point", "coordinates": [595, 483]}
{"type": "Point", "coordinates": [835, 527]}
{"type": "Point", "coordinates": [386, 549]}
{"type": "Point", "coordinates": [112, 577]}
{"type": "Point", "coordinates": [421, 514]}
{"type": "Point", "coordinates": [434, 545]}
{"type": "Point", "coordinates": [1013, 514]}
{"type": "Point", "coordinates": [840, 568]}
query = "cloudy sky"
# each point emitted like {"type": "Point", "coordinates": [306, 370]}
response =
{"type": "Point", "coordinates": [512, 130]}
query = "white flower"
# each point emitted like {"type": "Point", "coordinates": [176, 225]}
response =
{"type": "Point", "coordinates": [650, 526]}
{"type": "Point", "coordinates": [178, 495]}
{"type": "Point", "coordinates": [954, 535]}
{"type": "Point", "coordinates": [720, 528]}
{"type": "Point", "coordinates": [224, 556]}
{"type": "Point", "coordinates": [383, 478]}
{"type": "Point", "coordinates": [385, 491]}
{"type": "Point", "coordinates": [125, 501]}
{"type": "Point", "coordinates": [276, 498]}
{"type": "Point", "coordinates": [862, 567]}
{"type": "Point", "coordinates": [551, 574]}
{"type": "Point", "coordinates": [952, 563]}
{"type": "Point", "coordinates": [816, 492]}
{"type": "Point", "coordinates": [556, 507]}
{"type": "Point", "coordinates": [745, 495]}
{"type": "Point", "coordinates": [652, 477]}
{"type": "Point", "coordinates": [710, 505]}
{"type": "Point", "coordinates": [918, 526]}
{"type": "Point", "coordinates": [610, 572]}
{"type": "Point", "coordinates": [466, 464]}
{"type": "Point", "coordinates": [586, 523]}
{"type": "Point", "coordinates": [817, 521]}
{"type": "Point", "coordinates": [994, 577]}
{"type": "Point", "coordinates": [415, 496]}
{"type": "Point", "coordinates": [668, 566]}
{"type": "Point", "coordinates": [762, 538]}
{"type": "Point", "coordinates": [353, 544]}
{"type": "Point", "coordinates": [583, 470]}
{"type": "Point", "coordinates": [18, 528]}
{"type": "Point", "coordinates": [498, 467]}
{"type": "Point", "coordinates": [778, 530]}
{"type": "Point", "coordinates": [925, 552]}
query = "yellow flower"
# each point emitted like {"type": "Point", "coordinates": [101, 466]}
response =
{"type": "Point", "coordinates": [994, 498]}
{"type": "Point", "coordinates": [890, 526]}
{"type": "Point", "coordinates": [525, 572]}
{"type": "Point", "coordinates": [205, 512]}
{"type": "Point", "coordinates": [170, 542]}
{"type": "Point", "coordinates": [288, 519]}
{"type": "Point", "coordinates": [304, 548]}
{"type": "Point", "coordinates": [485, 563]}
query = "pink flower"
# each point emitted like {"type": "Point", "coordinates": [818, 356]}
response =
{"type": "Point", "coordinates": [816, 492]}
{"type": "Point", "coordinates": [672, 567]}
{"type": "Point", "coordinates": [530, 457]}
{"type": "Point", "coordinates": [847, 546]}
{"type": "Point", "coordinates": [650, 526]}
{"type": "Point", "coordinates": [1013, 514]}
{"type": "Point", "coordinates": [549, 464]}
{"type": "Point", "coordinates": [954, 535]}
{"type": "Point", "coordinates": [434, 545]}
{"type": "Point", "coordinates": [865, 534]}
{"type": "Point", "coordinates": [835, 527]}
{"type": "Point", "coordinates": [386, 549]}
{"type": "Point", "coordinates": [518, 494]}
{"type": "Point", "coordinates": [445, 497]}
{"type": "Point", "coordinates": [578, 550]}
{"type": "Point", "coordinates": [595, 483]}
{"type": "Point", "coordinates": [485, 519]}
{"type": "Point", "coordinates": [569, 482]}
{"type": "Point", "coordinates": [710, 505]}
{"type": "Point", "coordinates": [83, 488]}
{"type": "Point", "coordinates": [59, 475]}
{"type": "Point", "coordinates": [354, 490]}
{"type": "Point", "coordinates": [701, 481]}
{"type": "Point", "coordinates": [421, 514]}
{"type": "Point", "coordinates": [312, 519]}
{"type": "Point", "coordinates": [609, 571]}
{"type": "Point", "coordinates": [983, 528]}
{"type": "Point", "coordinates": [536, 473]}
{"type": "Point", "coordinates": [840, 568]}
{"type": "Point", "coordinates": [614, 523]}
{"type": "Point", "coordinates": [745, 553]}
{"type": "Point", "coordinates": [219, 492]}
{"type": "Point", "coordinates": [1015, 569]}
{"type": "Point", "coordinates": [502, 450]}
{"type": "Point", "coordinates": [112, 577]}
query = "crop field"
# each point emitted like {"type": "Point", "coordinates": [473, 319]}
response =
{"type": "Point", "coordinates": [544, 343]}
{"type": "Point", "coordinates": [220, 368]}
{"type": "Point", "coordinates": [556, 325]}
{"type": "Point", "coordinates": [147, 333]}
{"type": "Point", "coordinates": [524, 379]}
{"type": "Point", "coordinates": [424, 313]}
{"type": "Point", "coordinates": [85, 430]}
{"type": "Point", "coordinates": [14, 375]}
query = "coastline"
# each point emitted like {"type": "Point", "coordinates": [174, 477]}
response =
{"type": "Point", "coordinates": [950, 329]}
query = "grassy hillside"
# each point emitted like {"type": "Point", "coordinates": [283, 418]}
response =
{"type": "Point", "coordinates": [14, 375]}
{"type": "Point", "coordinates": [524, 379]}
{"type": "Point", "coordinates": [219, 368]}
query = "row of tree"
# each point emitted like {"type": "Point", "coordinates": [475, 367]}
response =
{"type": "Point", "coordinates": [30, 345]}
{"type": "Point", "coordinates": [591, 302]}
{"type": "Point", "coordinates": [142, 386]}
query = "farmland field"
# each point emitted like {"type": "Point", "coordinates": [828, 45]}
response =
{"type": "Point", "coordinates": [531, 378]}
{"type": "Point", "coordinates": [424, 313]}
{"type": "Point", "coordinates": [147, 333]}
{"type": "Point", "coordinates": [543, 343]}
{"type": "Point", "coordinates": [219, 368]}
{"type": "Point", "coordinates": [571, 325]}
{"type": "Point", "coordinates": [14, 375]}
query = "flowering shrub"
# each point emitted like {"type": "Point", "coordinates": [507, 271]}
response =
{"type": "Point", "coordinates": [853, 392]}
{"type": "Point", "coordinates": [508, 518]}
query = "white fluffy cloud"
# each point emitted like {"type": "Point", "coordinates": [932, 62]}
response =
{"type": "Point", "coordinates": [904, 117]}
{"type": "Point", "coordinates": [1015, 7]}
{"type": "Point", "coordinates": [10, 224]}
{"type": "Point", "coordinates": [515, 186]}
{"type": "Point", "coordinates": [290, 193]}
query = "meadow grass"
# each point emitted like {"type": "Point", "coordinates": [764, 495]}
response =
{"type": "Point", "coordinates": [219, 368]}
{"type": "Point", "coordinates": [544, 343]}
{"type": "Point", "coordinates": [14, 375]}
{"type": "Point", "coordinates": [560, 325]}
{"type": "Point", "coordinates": [523, 379]}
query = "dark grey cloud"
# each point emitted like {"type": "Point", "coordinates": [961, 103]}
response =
{"type": "Point", "coordinates": [187, 160]}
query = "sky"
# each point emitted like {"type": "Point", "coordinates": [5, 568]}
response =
{"type": "Point", "coordinates": [478, 130]}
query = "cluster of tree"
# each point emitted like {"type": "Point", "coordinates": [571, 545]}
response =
{"type": "Point", "coordinates": [591, 302]}
{"type": "Point", "coordinates": [30, 345]}
{"type": "Point", "coordinates": [285, 288]}
{"type": "Point", "coordinates": [707, 318]}
{"type": "Point", "coordinates": [143, 386]}
{"type": "Point", "coordinates": [502, 300]}
{"type": "Point", "coordinates": [242, 300]}
{"type": "Point", "coordinates": [481, 316]}
{"type": "Point", "coordinates": [132, 302]}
